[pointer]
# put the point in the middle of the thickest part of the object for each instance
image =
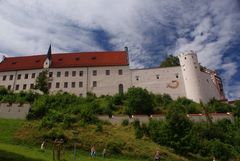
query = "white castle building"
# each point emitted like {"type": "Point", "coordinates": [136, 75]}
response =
{"type": "Point", "coordinates": [108, 73]}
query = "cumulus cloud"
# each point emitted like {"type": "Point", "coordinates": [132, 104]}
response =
{"type": "Point", "coordinates": [151, 29]}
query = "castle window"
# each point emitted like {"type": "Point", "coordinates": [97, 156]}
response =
{"type": "Point", "coordinates": [26, 76]}
{"type": "Point", "coordinates": [80, 84]}
{"type": "Point", "coordinates": [65, 84]}
{"type": "Point", "coordinates": [80, 73]}
{"type": "Point", "coordinates": [66, 73]}
{"type": "Point", "coordinates": [73, 84]}
{"type": "Point", "coordinates": [57, 85]}
{"type": "Point", "coordinates": [195, 67]}
{"type": "Point", "coordinates": [157, 76]}
{"type": "Point", "coordinates": [19, 76]}
{"type": "Point", "coordinates": [9, 87]}
{"type": "Point", "coordinates": [207, 80]}
{"type": "Point", "coordinates": [185, 58]}
{"type": "Point", "coordinates": [80, 94]}
{"type": "Point", "coordinates": [24, 86]}
{"type": "Point", "coordinates": [33, 75]}
{"type": "Point", "coordinates": [4, 77]}
{"type": "Point", "coordinates": [32, 86]}
{"type": "Point", "coordinates": [120, 72]}
{"type": "Point", "coordinates": [74, 73]}
{"type": "Point", "coordinates": [17, 87]}
{"type": "Point", "coordinates": [177, 76]}
{"type": "Point", "coordinates": [107, 72]}
{"type": "Point", "coordinates": [94, 73]}
{"type": "Point", "coordinates": [137, 78]}
{"type": "Point", "coordinates": [94, 83]}
{"type": "Point", "coordinates": [49, 85]}
{"type": "Point", "coordinates": [50, 74]}
{"type": "Point", "coordinates": [11, 77]}
{"type": "Point", "coordinates": [58, 74]}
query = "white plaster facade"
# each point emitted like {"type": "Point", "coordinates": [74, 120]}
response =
{"type": "Point", "coordinates": [183, 81]}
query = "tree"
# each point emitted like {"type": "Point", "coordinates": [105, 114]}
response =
{"type": "Point", "coordinates": [170, 61]}
{"type": "Point", "coordinates": [42, 81]}
{"type": "Point", "coordinates": [140, 101]}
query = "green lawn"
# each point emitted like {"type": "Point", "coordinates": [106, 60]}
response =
{"type": "Point", "coordinates": [10, 151]}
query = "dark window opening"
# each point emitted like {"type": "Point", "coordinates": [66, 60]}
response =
{"type": "Point", "coordinates": [65, 84]}
{"type": "Point", "coordinates": [57, 85]}
{"type": "Point", "coordinates": [120, 89]}
{"type": "Point", "coordinates": [107, 72]}
{"type": "Point", "coordinates": [17, 87]}
{"type": "Point", "coordinates": [19, 76]}
{"type": "Point", "coordinates": [94, 83]}
{"type": "Point", "coordinates": [11, 77]}
{"type": "Point", "coordinates": [26, 76]}
{"type": "Point", "coordinates": [4, 77]}
{"type": "Point", "coordinates": [80, 73]}
{"type": "Point", "coordinates": [157, 76]}
{"type": "Point", "coordinates": [50, 74]}
{"type": "Point", "coordinates": [66, 74]}
{"type": "Point", "coordinates": [24, 86]}
{"type": "Point", "coordinates": [33, 75]}
{"type": "Point", "coordinates": [9, 87]}
{"type": "Point", "coordinates": [74, 73]}
{"type": "Point", "coordinates": [58, 74]}
{"type": "Point", "coordinates": [120, 72]}
{"type": "Point", "coordinates": [73, 84]}
{"type": "Point", "coordinates": [80, 84]}
{"type": "Point", "coordinates": [94, 73]}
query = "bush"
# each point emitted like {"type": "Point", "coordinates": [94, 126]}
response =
{"type": "Point", "coordinates": [221, 151]}
{"type": "Point", "coordinates": [125, 122]}
{"type": "Point", "coordinates": [140, 101]}
{"type": "Point", "coordinates": [114, 147]}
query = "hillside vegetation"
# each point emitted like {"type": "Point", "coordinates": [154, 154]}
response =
{"type": "Point", "coordinates": [57, 116]}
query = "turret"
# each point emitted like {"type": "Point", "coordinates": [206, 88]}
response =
{"type": "Point", "coordinates": [191, 72]}
{"type": "Point", "coordinates": [48, 60]}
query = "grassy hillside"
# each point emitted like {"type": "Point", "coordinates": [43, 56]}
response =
{"type": "Point", "coordinates": [20, 141]}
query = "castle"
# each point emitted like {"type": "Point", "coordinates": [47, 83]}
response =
{"type": "Point", "coordinates": [108, 73]}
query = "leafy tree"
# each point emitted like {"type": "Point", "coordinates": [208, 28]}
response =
{"type": "Point", "coordinates": [170, 61]}
{"type": "Point", "coordinates": [179, 127]}
{"type": "Point", "coordinates": [140, 101]}
{"type": "Point", "coordinates": [42, 82]}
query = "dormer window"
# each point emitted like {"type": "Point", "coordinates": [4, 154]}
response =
{"type": "Point", "coordinates": [37, 61]}
{"type": "Point", "coordinates": [94, 58]}
{"type": "Point", "coordinates": [77, 58]}
{"type": "Point", "coordinates": [14, 62]}
{"type": "Point", "coordinates": [60, 59]}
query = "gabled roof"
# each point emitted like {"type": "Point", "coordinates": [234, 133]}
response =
{"type": "Point", "coordinates": [66, 60]}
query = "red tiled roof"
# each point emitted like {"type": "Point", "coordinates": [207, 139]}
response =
{"type": "Point", "coordinates": [66, 60]}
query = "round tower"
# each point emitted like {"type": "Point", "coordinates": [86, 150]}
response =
{"type": "Point", "coordinates": [191, 72]}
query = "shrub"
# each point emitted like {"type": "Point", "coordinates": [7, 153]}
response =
{"type": "Point", "coordinates": [125, 122]}
{"type": "Point", "coordinates": [114, 147]}
{"type": "Point", "coordinates": [221, 151]}
{"type": "Point", "coordinates": [140, 101]}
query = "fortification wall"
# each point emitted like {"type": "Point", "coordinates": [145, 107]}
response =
{"type": "Point", "coordinates": [14, 111]}
{"type": "Point", "coordinates": [118, 119]}
{"type": "Point", "coordinates": [160, 80]}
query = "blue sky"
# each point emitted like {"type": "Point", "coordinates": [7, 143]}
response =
{"type": "Point", "coordinates": [152, 29]}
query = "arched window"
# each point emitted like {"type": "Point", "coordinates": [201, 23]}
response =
{"type": "Point", "coordinates": [120, 88]}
